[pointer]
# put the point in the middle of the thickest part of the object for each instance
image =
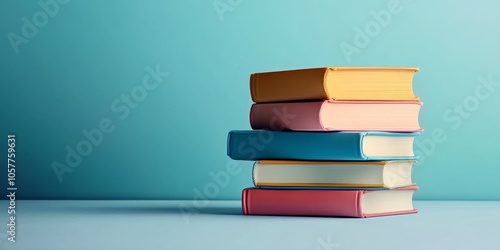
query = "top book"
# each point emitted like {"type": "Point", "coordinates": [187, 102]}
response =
{"type": "Point", "coordinates": [334, 83]}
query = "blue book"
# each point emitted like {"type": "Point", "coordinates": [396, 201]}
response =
{"type": "Point", "coordinates": [253, 145]}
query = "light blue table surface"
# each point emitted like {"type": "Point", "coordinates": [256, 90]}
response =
{"type": "Point", "coordinates": [221, 225]}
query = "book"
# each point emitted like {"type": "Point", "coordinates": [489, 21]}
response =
{"type": "Point", "coordinates": [328, 115]}
{"type": "Point", "coordinates": [334, 83]}
{"type": "Point", "coordinates": [360, 174]}
{"type": "Point", "coordinates": [333, 203]}
{"type": "Point", "coordinates": [323, 146]}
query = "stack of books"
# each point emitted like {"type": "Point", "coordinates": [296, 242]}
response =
{"type": "Point", "coordinates": [334, 141]}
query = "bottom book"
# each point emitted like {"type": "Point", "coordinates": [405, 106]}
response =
{"type": "Point", "coordinates": [332, 203]}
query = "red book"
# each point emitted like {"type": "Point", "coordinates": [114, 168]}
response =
{"type": "Point", "coordinates": [333, 203]}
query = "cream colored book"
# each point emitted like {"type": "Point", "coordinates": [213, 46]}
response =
{"type": "Point", "coordinates": [361, 174]}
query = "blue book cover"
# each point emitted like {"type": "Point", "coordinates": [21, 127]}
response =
{"type": "Point", "coordinates": [256, 145]}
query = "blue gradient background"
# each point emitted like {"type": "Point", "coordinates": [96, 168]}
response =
{"type": "Point", "coordinates": [92, 52]}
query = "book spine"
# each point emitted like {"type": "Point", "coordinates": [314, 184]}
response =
{"type": "Point", "coordinates": [253, 173]}
{"type": "Point", "coordinates": [253, 88]}
{"type": "Point", "coordinates": [337, 203]}
{"type": "Point", "coordinates": [244, 200]}
{"type": "Point", "coordinates": [302, 116]}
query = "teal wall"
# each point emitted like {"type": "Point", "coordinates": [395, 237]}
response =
{"type": "Point", "coordinates": [158, 84]}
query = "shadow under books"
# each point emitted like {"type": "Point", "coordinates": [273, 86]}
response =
{"type": "Point", "coordinates": [142, 207]}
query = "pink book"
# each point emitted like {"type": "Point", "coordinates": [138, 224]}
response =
{"type": "Point", "coordinates": [324, 202]}
{"type": "Point", "coordinates": [390, 116]}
